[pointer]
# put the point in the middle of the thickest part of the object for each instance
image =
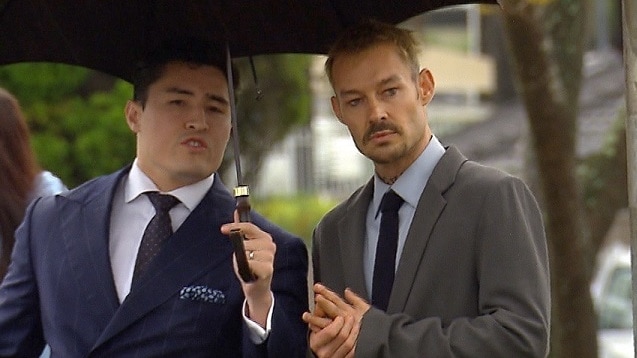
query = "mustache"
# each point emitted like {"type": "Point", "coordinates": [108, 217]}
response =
{"type": "Point", "coordinates": [378, 127]}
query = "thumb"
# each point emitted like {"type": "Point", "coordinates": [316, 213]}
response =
{"type": "Point", "coordinates": [354, 299]}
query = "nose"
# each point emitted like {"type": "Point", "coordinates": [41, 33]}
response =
{"type": "Point", "coordinates": [197, 120]}
{"type": "Point", "coordinates": [377, 110]}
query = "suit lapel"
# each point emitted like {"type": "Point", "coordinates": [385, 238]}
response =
{"type": "Point", "coordinates": [430, 206]}
{"type": "Point", "coordinates": [191, 251]}
{"type": "Point", "coordinates": [351, 233]}
{"type": "Point", "coordinates": [85, 230]}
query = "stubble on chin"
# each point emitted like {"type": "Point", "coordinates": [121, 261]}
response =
{"type": "Point", "coordinates": [387, 158]}
{"type": "Point", "coordinates": [385, 153]}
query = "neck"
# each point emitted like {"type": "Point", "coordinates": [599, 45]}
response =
{"type": "Point", "coordinates": [389, 180]}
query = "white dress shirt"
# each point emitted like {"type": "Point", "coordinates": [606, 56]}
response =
{"type": "Point", "coordinates": [409, 186]}
{"type": "Point", "coordinates": [131, 213]}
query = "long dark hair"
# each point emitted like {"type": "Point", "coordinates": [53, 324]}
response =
{"type": "Point", "coordinates": [18, 169]}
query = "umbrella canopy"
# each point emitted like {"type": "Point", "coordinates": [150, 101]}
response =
{"type": "Point", "coordinates": [110, 35]}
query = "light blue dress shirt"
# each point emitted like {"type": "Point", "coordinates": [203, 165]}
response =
{"type": "Point", "coordinates": [409, 186]}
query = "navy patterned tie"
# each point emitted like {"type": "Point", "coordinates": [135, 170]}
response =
{"type": "Point", "coordinates": [385, 262]}
{"type": "Point", "coordinates": [159, 229]}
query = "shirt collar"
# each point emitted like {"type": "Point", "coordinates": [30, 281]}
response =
{"type": "Point", "coordinates": [138, 182]}
{"type": "Point", "coordinates": [410, 184]}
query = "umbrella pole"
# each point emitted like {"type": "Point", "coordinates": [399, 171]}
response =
{"type": "Point", "coordinates": [233, 116]}
{"type": "Point", "coordinates": [629, 25]}
{"type": "Point", "coordinates": [241, 191]}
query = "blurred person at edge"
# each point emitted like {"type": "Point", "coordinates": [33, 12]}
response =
{"type": "Point", "coordinates": [471, 264]}
{"type": "Point", "coordinates": [22, 180]}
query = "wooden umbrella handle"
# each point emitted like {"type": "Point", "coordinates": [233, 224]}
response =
{"type": "Point", "coordinates": [237, 237]}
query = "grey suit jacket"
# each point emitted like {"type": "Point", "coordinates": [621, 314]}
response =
{"type": "Point", "coordinates": [473, 279]}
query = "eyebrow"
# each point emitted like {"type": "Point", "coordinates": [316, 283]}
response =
{"type": "Point", "coordinates": [212, 97]}
{"type": "Point", "coordinates": [383, 82]}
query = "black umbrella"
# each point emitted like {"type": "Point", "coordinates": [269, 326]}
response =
{"type": "Point", "coordinates": [112, 35]}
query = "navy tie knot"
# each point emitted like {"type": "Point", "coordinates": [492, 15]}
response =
{"type": "Point", "coordinates": [391, 202]}
{"type": "Point", "coordinates": [162, 202]}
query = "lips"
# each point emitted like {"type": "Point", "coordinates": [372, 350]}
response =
{"type": "Point", "coordinates": [379, 130]}
{"type": "Point", "coordinates": [195, 143]}
{"type": "Point", "coordinates": [381, 134]}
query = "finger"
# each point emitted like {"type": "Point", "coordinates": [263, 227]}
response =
{"type": "Point", "coordinates": [328, 307]}
{"type": "Point", "coordinates": [344, 338]}
{"type": "Point", "coordinates": [338, 346]}
{"type": "Point", "coordinates": [319, 322]}
{"type": "Point", "coordinates": [359, 303]}
{"type": "Point", "coordinates": [331, 330]}
{"type": "Point", "coordinates": [322, 342]}
{"type": "Point", "coordinates": [350, 354]}
{"type": "Point", "coordinates": [318, 311]}
{"type": "Point", "coordinates": [259, 255]}
{"type": "Point", "coordinates": [316, 328]}
{"type": "Point", "coordinates": [333, 297]}
{"type": "Point", "coordinates": [248, 229]}
{"type": "Point", "coordinates": [353, 337]}
{"type": "Point", "coordinates": [263, 270]}
{"type": "Point", "coordinates": [260, 240]}
{"type": "Point", "coordinates": [320, 288]}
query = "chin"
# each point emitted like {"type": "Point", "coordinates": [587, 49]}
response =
{"type": "Point", "coordinates": [195, 174]}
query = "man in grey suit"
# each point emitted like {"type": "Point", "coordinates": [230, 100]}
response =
{"type": "Point", "coordinates": [469, 276]}
{"type": "Point", "coordinates": [76, 280]}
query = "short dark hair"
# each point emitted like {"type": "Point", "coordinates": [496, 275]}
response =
{"type": "Point", "coordinates": [369, 33]}
{"type": "Point", "coordinates": [191, 50]}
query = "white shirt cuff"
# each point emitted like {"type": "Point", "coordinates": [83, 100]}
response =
{"type": "Point", "coordinates": [258, 335]}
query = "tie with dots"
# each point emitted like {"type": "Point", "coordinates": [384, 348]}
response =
{"type": "Point", "coordinates": [385, 262]}
{"type": "Point", "coordinates": [159, 229]}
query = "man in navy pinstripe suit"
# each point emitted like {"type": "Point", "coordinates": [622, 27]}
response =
{"type": "Point", "coordinates": [70, 284]}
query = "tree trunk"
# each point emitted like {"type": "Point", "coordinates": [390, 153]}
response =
{"type": "Point", "coordinates": [494, 44]}
{"type": "Point", "coordinates": [549, 70]}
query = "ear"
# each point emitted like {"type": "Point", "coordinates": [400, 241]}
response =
{"type": "Point", "coordinates": [426, 86]}
{"type": "Point", "coordinates": [133, 111]}
{"type": "Point", "coordinates": [336, 107]}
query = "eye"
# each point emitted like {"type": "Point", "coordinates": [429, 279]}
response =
{"type": "Point", "coordinates": [390, 92]}
{"type": "Point", "coordinates": [354, 102]}
{"type": "Point", "coordinates": [214, 109]}
{"type": "Point", "coordinates": [177, 102]}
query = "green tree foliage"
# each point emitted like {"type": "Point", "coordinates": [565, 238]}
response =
{"type": "Point", "coordinates": [77, 119]}
{"type": "Point", "coordinates": [299, 214]}
{"type": "Point", "coordinates": [77, 133]}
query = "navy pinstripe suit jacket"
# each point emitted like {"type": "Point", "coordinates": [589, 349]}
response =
{"type": "Point", "coordinates": [60, 290]}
